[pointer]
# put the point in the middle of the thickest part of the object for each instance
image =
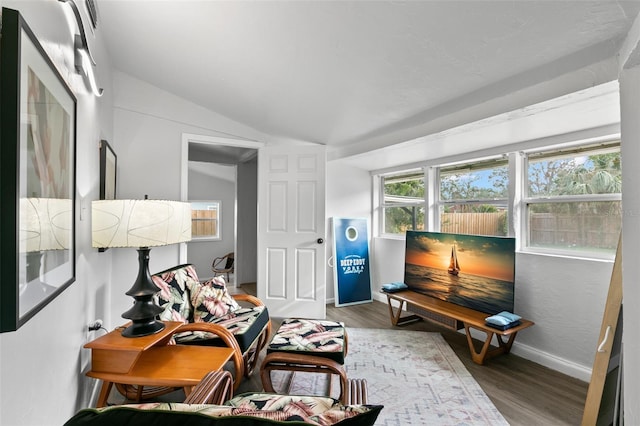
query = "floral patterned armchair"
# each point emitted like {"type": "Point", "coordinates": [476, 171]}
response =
{"type": "Point", "coordinates": [214, 314]}
{"type": "Point", "coordinates": [208, 405]}
{"type": "Point", "coordinates": [212, 317]}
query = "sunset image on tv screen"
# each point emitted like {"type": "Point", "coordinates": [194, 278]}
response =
{"type": "Point", "coordinates": [469, 270]}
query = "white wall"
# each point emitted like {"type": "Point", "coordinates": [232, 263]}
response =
{"type": "Point", "coordinates": [348, 194]}
{"type": "Point", "coordinates": [205, 187]}
{"type": "Point", "coordinates": [148, 128]}
{"type": "Point", "coordinates": [630, 105]}
{"type": "Point", "coordinates": [43, 363]}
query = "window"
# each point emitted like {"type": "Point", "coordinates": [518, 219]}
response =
{"type": "Point", "coordinates": [564, 201]}
{"type": "Point", "coordinates": [473, 198]}
{"type": "Point", "coordinates": [403, 202]}
{"type": "Point", "coordinates": [573, 200]}
{"type": "Point", "coordinates": [205, 220]}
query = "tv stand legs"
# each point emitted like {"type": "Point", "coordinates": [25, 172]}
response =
{"type": "Point", "coordinates": [395, 317]}
{"type": "Point", "coordinates": [504, 347]}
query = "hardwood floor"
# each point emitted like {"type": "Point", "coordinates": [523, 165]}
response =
{"type": "Point", "coordinates": [524, 392]}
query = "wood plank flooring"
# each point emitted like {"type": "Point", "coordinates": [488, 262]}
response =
{"type": "Point", "coordinates": [524, 392]}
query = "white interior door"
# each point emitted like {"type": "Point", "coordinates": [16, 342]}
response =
{"type": "Point", "coordinates": [291, 231]}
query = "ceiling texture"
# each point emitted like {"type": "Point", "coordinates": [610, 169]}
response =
{"type": "Point", "coordinates": [357, 75]}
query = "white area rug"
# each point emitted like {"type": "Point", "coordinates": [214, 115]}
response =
{"type": "Point", "coordinates": [415, 375]}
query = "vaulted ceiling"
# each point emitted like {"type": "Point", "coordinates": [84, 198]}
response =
{"type": "Point", "coordinates": [357, 75]}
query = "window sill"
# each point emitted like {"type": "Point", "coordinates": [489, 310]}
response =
{"type": "Point", "coordinates": [568, 255]}
{"type": "Point", "coordinates": [204, 239]}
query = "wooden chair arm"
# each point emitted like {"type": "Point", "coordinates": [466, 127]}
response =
{"type": "Point", "coordinates": [242, 297]}
{"type": "Point", "coordinates": [215, 388]}
{"type": "Point", "coordinates": [227, 337]}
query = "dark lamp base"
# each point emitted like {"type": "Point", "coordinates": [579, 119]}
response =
{"type": "Point", "coordinates": [145, 329]}
{"type": "Point", "coordinates": [144, 311]}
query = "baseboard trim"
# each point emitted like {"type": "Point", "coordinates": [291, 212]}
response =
{"type": "Point", "coordinates": [95, 389]}
{"type": "Point", "coordinates": [553, 362]}
{"type": "Point", "coordinates": [380, 297]}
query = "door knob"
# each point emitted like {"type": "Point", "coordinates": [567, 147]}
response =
{"type": "Point", "coordinates": [320, 241]}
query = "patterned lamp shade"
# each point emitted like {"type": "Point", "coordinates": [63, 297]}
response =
{"type": "Point", "coordinates": [139, 223]}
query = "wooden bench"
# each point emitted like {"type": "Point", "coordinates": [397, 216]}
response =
{"type": "Point", "coordinates": [469, 318]}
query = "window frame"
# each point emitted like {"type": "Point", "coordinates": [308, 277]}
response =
{"type": "Point", "coordinates": [212, 205]}
{"type": "Point", "coordinates": [382, 205]}
{"type": "Point", "coordinates": [517, 200]}
{"type": "Point", "coordinates": [527, 200]}
{"type": "Point", "coordinates": [474, 164]}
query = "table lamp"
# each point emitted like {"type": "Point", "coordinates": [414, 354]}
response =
{"type": "Point", "coordinates": [141, 224]}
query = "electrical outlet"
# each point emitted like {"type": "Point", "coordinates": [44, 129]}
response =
{"type": "Point", "coordinates": [95, 325]}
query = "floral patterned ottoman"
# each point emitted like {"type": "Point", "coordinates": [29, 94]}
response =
{"type": "Point", "coordinates": [316, 346]}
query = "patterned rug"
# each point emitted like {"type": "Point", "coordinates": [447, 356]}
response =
{"type": "Point", "coordinates": [415, 375]}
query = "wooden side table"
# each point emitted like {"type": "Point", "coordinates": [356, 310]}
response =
{"type": "Point", "coordinates": [150, 361]}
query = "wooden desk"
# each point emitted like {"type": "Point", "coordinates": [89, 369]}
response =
{"type": "Point", "coordinates": [149, 361]}
{"type": "Point", "coordinates": [470, 318]}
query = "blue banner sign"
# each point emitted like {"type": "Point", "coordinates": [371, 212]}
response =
{"type": "Point", "coordinates": [351, 261]}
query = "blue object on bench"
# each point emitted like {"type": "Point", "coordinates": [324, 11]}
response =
{"type": "Point", "coordinates": [503, 320]}
{"type": "Point", "coordinates": [393, 287]}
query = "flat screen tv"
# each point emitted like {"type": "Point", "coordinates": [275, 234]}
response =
{"type": "Point", "coordinates": [469, 270]}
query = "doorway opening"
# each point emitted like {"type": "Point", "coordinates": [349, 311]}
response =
{"type": "Point", "coordinates": [221, 174]}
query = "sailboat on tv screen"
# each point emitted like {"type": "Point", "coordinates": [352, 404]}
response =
{"type": "Point", "coordinates": [454, 266]}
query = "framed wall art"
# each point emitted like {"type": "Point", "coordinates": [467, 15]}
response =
{"type": "Point", "coordinates": [108, 163]}
{"type": "Point", "coordinates": [37, 176]}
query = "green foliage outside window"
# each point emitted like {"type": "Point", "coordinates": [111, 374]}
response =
{"type": "Point", "coordinates": [398, 220]}
{"type": "Point", "coordinates": [484, 184]}
{"type": "Point", "coordinates": [589, 223]}
{"type": "Point", "coordinates": [404, 203]}
{"type": "Point", "coordinates": [464, 192]}
{"type": "Point", "coordinates": [580, 175]}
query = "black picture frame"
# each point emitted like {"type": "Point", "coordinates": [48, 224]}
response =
{"type": "Point", "coordinates": [37, 176]}
{"type": "Point", "coordinates": [108, 166]}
